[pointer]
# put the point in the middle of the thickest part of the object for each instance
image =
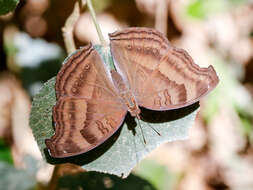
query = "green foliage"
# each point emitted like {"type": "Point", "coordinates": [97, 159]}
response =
{"type": "Point", "coordinates": [200, 9]}
{"type": "Point", "coordinates": [5, 152]}
{"type": "Point", "coordinates": [195, 9]}
{"type": "Point", "coordinates": [7, 6]}
{"type": "Point", "coordinates": [212, 106]}
{"type": "Point", "coordinates": [246, 123]}
{"type": "Point", "coordinates": [236, 96]}
{"type": "Point", "coordinates": [157, 174]}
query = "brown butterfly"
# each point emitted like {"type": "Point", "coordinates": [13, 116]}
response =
{"type": "Point", "coordinates": [92, 101]}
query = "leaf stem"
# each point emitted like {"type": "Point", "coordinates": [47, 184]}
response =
{"type": "Point", "coordinates": [94, 19]}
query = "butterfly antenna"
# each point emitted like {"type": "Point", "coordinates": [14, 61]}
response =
{"type": "Point", "coordinates": [153, 128]}
{"type": "Point", "coordinates": [142, 133]}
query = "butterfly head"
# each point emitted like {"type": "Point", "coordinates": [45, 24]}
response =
{"type": "Point", "coordinates": [135, 112]}
{"type": "Point", "coordinates": [133, 107]}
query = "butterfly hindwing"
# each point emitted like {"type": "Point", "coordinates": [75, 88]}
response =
{"type": "Point", "coordinates": [88, 110]}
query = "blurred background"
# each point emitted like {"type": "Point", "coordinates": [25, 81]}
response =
{"type": "Point", "coordinates": [219, 152]}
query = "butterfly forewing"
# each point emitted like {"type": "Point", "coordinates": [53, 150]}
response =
{"type": "Point", "coordinates": [82, 71]}
{"type": "Point", "coordinates": [161, 76]}
{"type": "Point", "coordinates": [137, 51]}
{"type": "Point", "coordinates": [88, 110]}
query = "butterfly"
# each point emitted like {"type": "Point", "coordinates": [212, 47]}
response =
{"type": "Point", "coordinates": [92, 100]}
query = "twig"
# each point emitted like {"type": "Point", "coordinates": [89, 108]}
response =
{"type": "Point", "coordinates": [161, 16]}
{"type": "Point", "coordinates": [68, 29]}
{"type": "Point", "coordinates": [93, 15]}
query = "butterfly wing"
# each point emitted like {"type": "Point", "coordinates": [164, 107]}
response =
{"type": "Point", "coordinates": [88, 110]}
{"type": "Point", "coordinates": [161, 76]}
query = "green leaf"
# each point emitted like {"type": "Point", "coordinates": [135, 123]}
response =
{"type": "Point", "coordinates": [129, 148]}
{"type": "Point", "coordinates": [200, 9]}
{"type": "Point", "coordinates": [41, 114]}
{"type": "Point", "coordinates": [120, 153]}
{"type": "Point", "coordinates": [195, 9]}
{"type": "Point", "coordinates": [7, 6]}
{"type": "Point", "coordinates": [5, 152]}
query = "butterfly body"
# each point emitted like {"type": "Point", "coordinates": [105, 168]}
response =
{"type": "Point", "coordinates": [125, 94]}
{"type": "Point", "coordinates": [92, 101]}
